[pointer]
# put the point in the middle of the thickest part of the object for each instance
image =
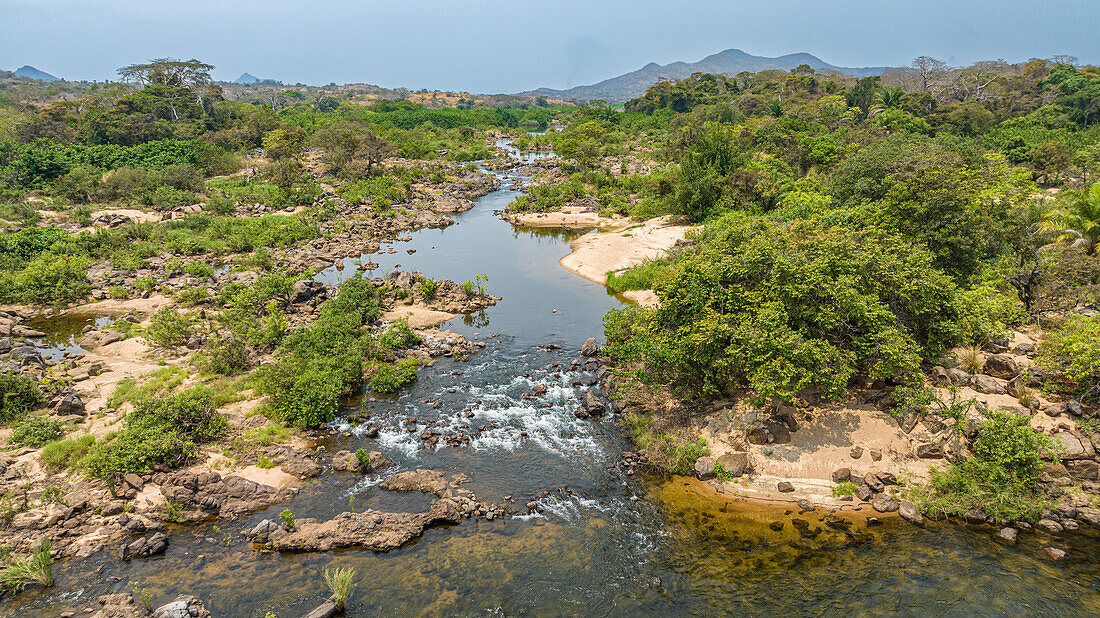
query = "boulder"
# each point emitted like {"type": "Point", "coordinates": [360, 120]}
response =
{"type": "Point", "coordinates": [151, 545]}
{"type": "Point", "coordinates": [780, 433]}
{"type": "Point", "coordinates": [842, 475]}
{"type": "Point", "coordinates": [590, 347]}
{"type": "Point", "coordinates": [1089, 515]}
{"type": "Point", "coordinates": [1008, 535]}
{"type": "Point", "coordinates": [884, 504]}
{"type": "Point", "coordinates": [69, 404]}
{"type": "Point", "coordinates": [1084, 469]}
{"type": "Point", "coordinates": [704, 468]}
{"type": "Point", "coordinates": [856, 452]}
{"type": "Point", "coordinates": [930, 451]}
{"type": "Point", "coordinates": [940, 376]}
{"type": "Point", "coordinates": [758, 435]}
{"type": "Point", "coordinates": [1049, 525]}
{"type": "Point", "coordinates": [327, 609]}
{"type": "Point", "coordinates": [785, 487]}
{"type": "Point", "coordinates": [185, 606]}
{"type": "Point", "coordinates": [346, 460]}
{"type": "Point", "coordinates": [1024, 349]}
{"type": "Point", "coordinates": [735, 464]}
{"type": "Point", "coordinates": [864, 493]}
{"type": "Point", "coordinates": [1001, 366]}
{"type": "Point", "coordinates": [591, 404]}
{"type": "Point", "coordinates": [307, 289]}
{"type": "Point", "coordinates": [958, 377]}
{"type": "Point", "coordinates": [987, 384]}
{"type": "Point", "coordinates": [424, 480]}
{"type": "Point", "coordinates": [121, 605]}
{"type": "Point", "coordinates": [1074, 446]}
{"type": "Point", "coordinates": [871, 480]}
{"type": "Point", "coordinates": [374, 530]}
{"type": "Point", "coordinates": [910, 513]}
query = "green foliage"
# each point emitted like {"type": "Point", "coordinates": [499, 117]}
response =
{"type": "Point", "coordinates": [264, 463]}
{"type": "Point", "coordinates": [390, 377]}
{"type": "Point", "coordinates": [1000, 478]}
{"type": "Point", "coordinates": [158, 383]}
{"type": "Point", "coordinates": [168, 328]}
{"type": "Point", "coordinates": [428, 289]}
{"type": "Point", "coordinates": [644, 276]}
{"type": "Point", "coordinates": [721, 473]}
{"type": "Point", "coordinates": [341, 582]}
{"type": "Point", "coordinates": [160, 430]}
{"type": "Point", "coordinates": [19, 394]}
{"type": "Point", "coordinates": [46, 279]}
{"type": "Point", "coordinates": [1071, 355]}
{"type": "Point", "coordinates": [847, 488]}
{"type": "Point", "coordinates": [18, 571]}
{"type": "Point", "coordinates": [35, 431]}
{"type": "Point", "coordinates": [363, 457]}
{"type": "Point", "coordinates": [780, 308]}
{"type": "Point", "coordinates": [60, 454]}
{"type": "Point", "coordinates": [399, 336]}
{"type": "Point", "coordinates": [315, 366]}
{"type": "Point", "coordinates": [287, 517]}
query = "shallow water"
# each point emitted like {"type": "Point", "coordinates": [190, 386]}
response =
{"type": "Point", "coordinates": [603, 543]}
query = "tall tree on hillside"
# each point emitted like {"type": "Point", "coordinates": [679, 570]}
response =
{"type": "Point", "coordinates": [168, 72]}
{"type": "Point", "coordinates": [929, 71]}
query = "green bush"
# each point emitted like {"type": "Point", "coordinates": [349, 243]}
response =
{"type": "Point", "coordinates": [1071, 354]}
{"type": "Point", "coordinates": [1000, 479]}
{"type": "Point", "coordinates": [316, 365]}
{"type": "Point", "coordinates": [644, 276]}
{"type": "Point", "coordinates": [781, 308]}
{"type": "Point", "coordinates": [390, 377]}
{"type": "Point", "coordinates": [428, 289]}
{"type": "Point", "coordinates": [845, 488]}
{"type": "Point", "coordinates": [168, 328]}
{"type": "Point", "coordinates": [60, 454]}
{"type": "Point", "coordinates": [160, 430]}
{"type": "Point", "coordinates": [363, 457]}
{"type": "Point", "coordinates": [35, 431]}
{"type": "Point", "coordinates": [18, 395]}
{"type": "Point", "coordinates": [399, 336]}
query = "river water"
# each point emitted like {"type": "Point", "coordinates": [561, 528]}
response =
{"type": "Point", "coordinates": [603, 543]}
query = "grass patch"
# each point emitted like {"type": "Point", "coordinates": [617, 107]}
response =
{"type": "Point", "coordinates": [644, 276]}
{"type": "Point", "coordinates": [60, 454]}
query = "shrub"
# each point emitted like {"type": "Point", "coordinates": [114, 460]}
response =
{"type": "Point", "coordinates": [429, 289]}
{"type": "Point", "coordinates": [644, 276]}
{"type": "Point", "coordinates": [363, 457]}
{"type": "Point", "coordinates": [341, 582]}
{"type": "Point", "coordinates": [160, 430]}
{"type": "Point", "coordinates": [287, 517]}
{"type": "Point", "coordinates": [781, 308]}
{"type": "Point", "coordinates": [389, 378]}
{"type": "Point", "coordinates": [399, 336]}
{"type": "Point", "coordinates": [18, 394]}
{"type": "Point", "coordinates": [970, 359]}
{"type": "Point", "coordinates": [169, 328]}
{"type": "Point", "coordinates": [847, 488]}
{"type": "Point", "coordinates": [1001, 478]}
{"type": "Point", "coordinates": [22, 570]}
{"type": "Point", "coordinates": [35, 431]}
{"type": "Point", "coordinates": [60, 454]}
{"type": "Point", "coordinates": [316, 365]}
{"type": "Point", "coordinates": [1071, 354]}
{"type": "Point", "coordinates": [264, 462]}
{"type": "Point", "coordinates": [49, 279]}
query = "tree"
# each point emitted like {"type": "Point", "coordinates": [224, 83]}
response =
{"type": "Point", "coordinates": [930, 72]}
{"type": "Point", "coordinates": [168, 72]}
{"type": "Point", "coordinates": [340, 142]}
{"type": "Point", "coordinates": [1077, 217]}
{"type": "Point", "coordinates": [887, 98]}
{"type": "Point", "coordinates": [284, 143]}
{"type": "Point", "coordinates": [374, 149]}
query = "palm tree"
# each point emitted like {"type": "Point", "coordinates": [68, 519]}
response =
{"type": "Point", "coordinates": [1077, 217]}
{"type": "Point", "coordinates": [887, 98]}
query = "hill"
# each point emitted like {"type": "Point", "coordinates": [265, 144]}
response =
{"type": "Point", "coordinates": [730, 62]}
{"type": "Point", "coordinates": [246, 78]}
{"type": "Point", "coordinates": [28, 71]}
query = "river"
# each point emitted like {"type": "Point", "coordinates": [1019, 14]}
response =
{"type": "Point", "coordinates": [603, 543]}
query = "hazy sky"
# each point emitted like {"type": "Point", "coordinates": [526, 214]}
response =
{"type": "Point", "coordinates": [514, 45]}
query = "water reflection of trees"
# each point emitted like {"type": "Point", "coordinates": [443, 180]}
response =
{"type": "Point", "coordinates": [554, 233]}
{"type": "Point", "coordinates": [476, 319]}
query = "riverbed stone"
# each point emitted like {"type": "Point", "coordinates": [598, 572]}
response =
{"type": "Point", "coordinates": [1049, 525]}
{"type": "Point", "coordinates": [842, 475]}
{"type": "Point", "coordinates": [590, 347]}
{"type": "Point", "coordinates": [910, 512]}
{"type": "Point", "coordinates": [185, 606]}
{"type": "Point", "coordinates": [1008, 535]}
{"type": "Point", "coordinates": [864, 493]}
{"type": "Point", "coordinates": [424, 480]}
{"type": "Point", "coordinates": [856, 452]}
{"type": "Point", "coordinates": [1002, 366]}
{"type": "Point", "coordinates": [151, 545]}
{"type": "Point", "coordinates": [871, 480]}
{"type": "Point", "coordinates": [784, 487]}
{"type": "Point", "coordinates": [704, 468]}
{"type": "Point", "coordinates": [884, 503]}
{"type": "Point", "coordinates": [1054, 553]}
{"type": "Point", "coordinates": [735, 464]}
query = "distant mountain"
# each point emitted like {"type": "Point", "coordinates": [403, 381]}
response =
{"type": "Point", "coordinates": [28, 71]}
{"type": "Point", "coordinates": [246, 78]}
{"type": "Point", "coordinates": [730, 62]}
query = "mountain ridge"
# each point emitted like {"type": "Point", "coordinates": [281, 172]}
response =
{"type": "Point", "coordinates": [28, 71]}
{"type": "Point", "coordinates": [730, 61]}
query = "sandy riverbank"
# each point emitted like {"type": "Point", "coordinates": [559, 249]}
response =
{"type": "Point", "coordinates": [620, 245]}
